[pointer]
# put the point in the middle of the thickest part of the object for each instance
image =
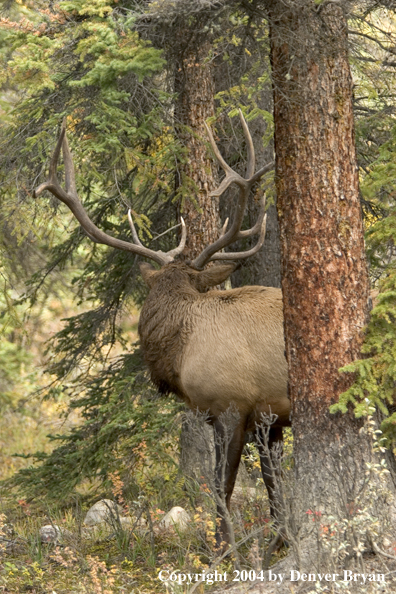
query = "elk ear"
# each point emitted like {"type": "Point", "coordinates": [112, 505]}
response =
{"type": "Point", "coordinates": [148, 273]}
{"type": "Point", "coordinates": [213, 276]}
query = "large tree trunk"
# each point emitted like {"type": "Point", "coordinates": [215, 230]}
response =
{"type": "Point", "coordinates": [324, 272]}
{"type": "Point", "coordinates": [325, 281]}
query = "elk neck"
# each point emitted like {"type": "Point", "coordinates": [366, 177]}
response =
{"type": "Point", "coordinates": [164, 325]}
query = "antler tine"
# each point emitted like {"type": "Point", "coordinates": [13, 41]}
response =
{"type": "Point", "coordinates": [261, 172]}
{"type": "Point", "coordinates": [250, 146]}
{"type": "Point", "coordinates": [55, 157]}
{"type": "Point", "coordinates": [216, 151]}
{"type": "Point", "coordinates": [70, 175]}
{"type": "Point", "coordinates": [52, 183]}
{"type": "Point", "coordinates": [224, 227]}
{"type": "Point", "coordinates": [133, 229]}
{"type": "Point", "coordinates": [178, 250]}
{"type": "Point", "coordinates": [257, 227]}
{"type": "Point", "coordinates": [172, 253]}
{"type": "Point", "coordinates": [231, 175]}
{"type": "Point", "coordinates": [70, 198]}
{"type": "Point", "coordinates": [246, 254]}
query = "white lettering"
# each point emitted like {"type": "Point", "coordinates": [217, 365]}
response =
{"type": "Point", "coordinates": [161, 577]}
{"type": "Point", "coordinates": [294, 575]}
{"type": "Point", "coordinates": [273, 577]}
{"type": "Point", "coordinates": [209, 578]}
{"type": "Point", "coordinates": [181, 578]}
{"type": "Point", "coordinates": [219, 577]}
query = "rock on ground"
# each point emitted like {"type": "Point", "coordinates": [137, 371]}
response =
{"type": "Point", "coordinates": [102, 511]}
{"type": "Point", "coordinates": [52, 533]}
{"type": "Point", "coordinates": [177, 518]}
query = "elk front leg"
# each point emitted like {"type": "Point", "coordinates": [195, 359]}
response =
{"type": "Point", "coordinates": [228, 447]}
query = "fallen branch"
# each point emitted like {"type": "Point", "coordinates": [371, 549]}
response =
{"type": "Point", "coordinates": [376, 548]}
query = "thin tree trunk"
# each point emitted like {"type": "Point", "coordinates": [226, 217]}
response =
{"type": "Point", "coordinates": [263, 268]}
{"type": "Point", "coordinates": [195, 104]}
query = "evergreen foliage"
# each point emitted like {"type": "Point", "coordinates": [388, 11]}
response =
{"type": "Point", "coordinates": [89, 64]}
{"type": "Point", "coordinates": [86, 63]}
{"type": "Point", "coordinates": [121, 416]}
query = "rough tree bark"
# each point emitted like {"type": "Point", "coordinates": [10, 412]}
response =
{"type": "Point", "coordinates": [195, 104]}
{"type": "Point", "coordinates": [325, 280]}
{"type": "Point", "coordinates": [324, 272]}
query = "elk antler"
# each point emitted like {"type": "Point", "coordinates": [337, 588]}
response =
{"type": "Point", "coordinates": [70, 198]}
{"type": "Point", "coordinates": [245, 185]}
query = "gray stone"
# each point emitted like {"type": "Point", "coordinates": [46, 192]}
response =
{"type": "Point", "coordinates": [177, 518]}
{"type": "Point", "coordinates": [50, 533]}
{"type": "Point", "coordinates": [103, 511]}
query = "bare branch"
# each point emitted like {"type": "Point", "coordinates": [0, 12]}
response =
{"type": "Point", "coordinates": [389, 49]}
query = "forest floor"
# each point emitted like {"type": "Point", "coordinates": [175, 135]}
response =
{"type": "Point", "coordinates": [146, 558]}
{"type": "Point", "coordinates": [108, 559]}
{"type": "Point", "coordinates": [142, 557]}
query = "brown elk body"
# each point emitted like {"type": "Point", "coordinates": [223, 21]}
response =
{"type": "Point", "coordinates": [215, 349]}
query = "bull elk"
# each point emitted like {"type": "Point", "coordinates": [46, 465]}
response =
{"type": "Point", "coordinates": [214, 349]}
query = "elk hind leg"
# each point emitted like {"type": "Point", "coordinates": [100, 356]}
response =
{"type": "Point", "coordinates": [270, 455]}
{"type": "Point", "coordinates": [268, 462]}
{"type": "Point", "coordinates": [228, 449]}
